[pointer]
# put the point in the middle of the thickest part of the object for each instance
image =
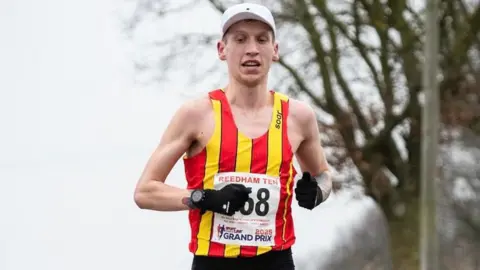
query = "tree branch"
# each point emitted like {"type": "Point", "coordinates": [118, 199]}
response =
{"type": "Point", "coordinates": [334, 59]}
{"type": "Point", "coordinates": [307, 21]}
{"type": "Point", "coordinates": [360, 47]}
{"type": "Point", "coordinates": [218, 5]}
{"type": "Point", "coordinates": [466, 38]}
{"type": "Point", "coordinates": [302, 85]}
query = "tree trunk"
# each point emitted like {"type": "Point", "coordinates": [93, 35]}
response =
{"type": "Point", "coordinates": [404, 235]}
{"type": "Point", "coordinates": [401, 208]}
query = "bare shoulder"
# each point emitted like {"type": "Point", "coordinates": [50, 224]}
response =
{"type": "Point", "coordinates": [192, 112]}
{"type": "Point", "coordinates": [188, 118]}
{"type": "Point", "coordinates": [301, 112]}
{"type": "Point", "coordinates": [195, 109]}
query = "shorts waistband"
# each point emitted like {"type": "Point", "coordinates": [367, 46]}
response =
{"type": "Point", "coordinates": [268, 256]}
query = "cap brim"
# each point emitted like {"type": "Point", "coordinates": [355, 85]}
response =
{"type": "Point", "coordinates": [241, 17]}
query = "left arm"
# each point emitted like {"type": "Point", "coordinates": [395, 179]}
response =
{"type": "Point", "coordinates": [310, 153]}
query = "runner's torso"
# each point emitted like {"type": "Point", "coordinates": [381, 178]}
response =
{"type": "Point", "coordinates": [265, 164]}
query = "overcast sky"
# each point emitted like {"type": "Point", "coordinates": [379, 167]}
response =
{"type": "Point", "coordinates": [76, 133]}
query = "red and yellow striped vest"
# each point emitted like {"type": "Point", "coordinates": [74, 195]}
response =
{"type": "Point", "coordinates": [229, 151]}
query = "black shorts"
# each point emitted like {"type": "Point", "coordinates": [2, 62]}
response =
{"type": "Point", "coordinates": [273, 260]}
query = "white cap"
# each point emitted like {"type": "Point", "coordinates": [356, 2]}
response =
{"type": "Point", "coordinates": [247, 11]}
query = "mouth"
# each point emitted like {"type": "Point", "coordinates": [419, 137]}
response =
{"type": "Point", "coordinates": [251, 63]}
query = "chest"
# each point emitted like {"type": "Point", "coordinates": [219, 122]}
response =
{"type": "Point", "coordinates": [252, 126]}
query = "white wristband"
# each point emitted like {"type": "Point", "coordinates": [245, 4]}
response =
{"type": "Point", "coordinates": [324, 184]}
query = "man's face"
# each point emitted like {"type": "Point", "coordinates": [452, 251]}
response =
{"type": "Point", "coordinates": [249, 49]}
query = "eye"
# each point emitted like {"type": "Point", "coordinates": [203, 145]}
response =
{"type": "Point", "coordinates": [262, 39]}
{"type": "Point", "coordinates": [240, 38]}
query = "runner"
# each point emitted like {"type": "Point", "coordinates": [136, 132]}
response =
{"type": "Point", "coordinates": [238, 145]}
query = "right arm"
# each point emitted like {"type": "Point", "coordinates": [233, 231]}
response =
{"type": "Point", "coordinates": [151, 192]}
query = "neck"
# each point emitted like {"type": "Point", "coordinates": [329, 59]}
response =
{"type": "Point", "coordinates": [246, 97]}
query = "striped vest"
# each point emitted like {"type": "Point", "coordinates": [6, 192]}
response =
{"type": "Point", "coordinates": [265, 164]}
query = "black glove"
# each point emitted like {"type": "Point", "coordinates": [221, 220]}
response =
{"type": "Point", "coordinates": [227, 200]}
{"type": "Point", "coordinates": [307, 192]}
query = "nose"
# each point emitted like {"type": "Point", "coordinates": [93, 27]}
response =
{"type": "Point", "coordinates": [252, 49]}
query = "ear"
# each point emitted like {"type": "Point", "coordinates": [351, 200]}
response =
{"type": "Point", "coordinates": [276, 56]}
{"type": "Point", "coordinates": [221, 50]}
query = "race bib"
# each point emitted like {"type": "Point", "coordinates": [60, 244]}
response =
{"type": "Point", "coordinates": [254, 225]}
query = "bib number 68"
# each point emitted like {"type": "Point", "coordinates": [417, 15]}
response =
{"type": "Point", "coordinates": [261, 207]}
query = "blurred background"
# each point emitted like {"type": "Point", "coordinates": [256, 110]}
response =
{"type": "Point", "coordinates": [89, 86]}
